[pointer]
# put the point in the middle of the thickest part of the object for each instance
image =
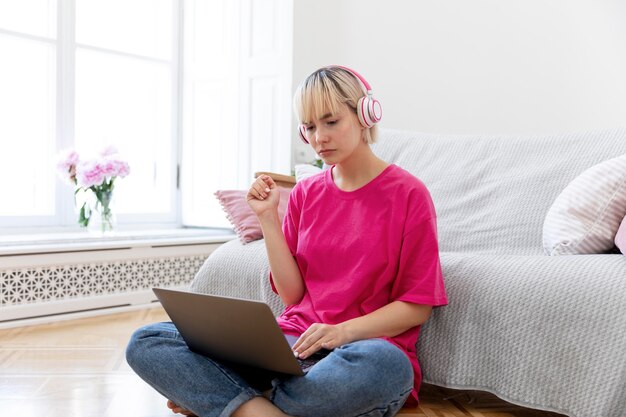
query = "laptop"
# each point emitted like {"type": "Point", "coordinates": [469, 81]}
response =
{"type": "Point", "coordinates": [234, 330]}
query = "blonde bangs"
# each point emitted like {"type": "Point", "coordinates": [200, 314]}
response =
{"type": "Point", "coordinates": [316, 97]}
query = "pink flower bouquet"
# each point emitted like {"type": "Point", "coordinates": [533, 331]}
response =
{"type": "Point", "coordinates": [96, 175]}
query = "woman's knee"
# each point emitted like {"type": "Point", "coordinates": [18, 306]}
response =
{"type": "Point", "coordinates": [382, 368]}
{"type": "Point", "coordinates": [362, 376]}
{"type": "Point", "coordinates": [145, 341]}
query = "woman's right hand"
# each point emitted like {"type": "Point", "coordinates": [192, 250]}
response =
{"type": "Point", "coordinates": [263, 195]}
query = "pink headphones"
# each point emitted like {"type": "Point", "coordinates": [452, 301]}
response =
{"type": "Point", "coordinates": [368, 109]}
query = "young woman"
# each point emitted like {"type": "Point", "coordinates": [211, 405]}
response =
{"type": "Point", "coordinates": [355, 262]}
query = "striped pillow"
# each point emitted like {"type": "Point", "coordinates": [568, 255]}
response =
{"type": "Point", "coordinates": [585, 217]}
{"type": "Point", "coordinates": [620, 237]}
{"type": "Point", "coordinates": [241, 216]}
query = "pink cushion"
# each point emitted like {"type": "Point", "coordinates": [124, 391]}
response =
{"type": "Point", "coordinates": [620, 237]}
{"type": "Point", "coordinates": [242, 217]}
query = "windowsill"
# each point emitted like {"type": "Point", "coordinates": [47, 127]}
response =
{"type": "Point", "coordinates": [26, 244]}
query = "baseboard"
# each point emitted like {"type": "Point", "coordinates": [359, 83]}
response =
{"type": "Point", "coordinates": [75, 315]}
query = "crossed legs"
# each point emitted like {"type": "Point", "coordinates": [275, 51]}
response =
{"type": "Point", "coordinates": [365, 378]}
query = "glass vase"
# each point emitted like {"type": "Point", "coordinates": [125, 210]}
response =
{"type": "Point", "coordinates": [102, 219]}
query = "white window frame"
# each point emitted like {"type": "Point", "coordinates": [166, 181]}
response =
{"type": "Point", "coordinates": [65, 219]}
{"type": "Point", "coordinates": [20, 223]}
{"type": "Point", "coordinates": [262, 78]}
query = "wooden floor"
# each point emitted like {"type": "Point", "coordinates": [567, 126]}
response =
{"type": "Point", "coordinates": [77, 369]}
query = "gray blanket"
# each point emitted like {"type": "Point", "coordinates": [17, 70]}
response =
{"type": "Point", "coordinates": [543, 332]}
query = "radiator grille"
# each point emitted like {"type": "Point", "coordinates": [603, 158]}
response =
{"type": "Point", "coordinates": [21, 286]}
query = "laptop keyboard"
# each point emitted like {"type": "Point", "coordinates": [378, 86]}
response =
{"type": "Point", "coordinates": [307, 363]}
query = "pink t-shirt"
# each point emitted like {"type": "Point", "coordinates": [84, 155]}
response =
{"type": "Point", "coordinates": [361, 250]}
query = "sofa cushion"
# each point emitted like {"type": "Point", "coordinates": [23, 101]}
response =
{"type": "Point", "coordinates": [303, 171]}
{"type": "Point", "coordinates": [242, 217]}
{"type": "Point", "coordinates": [620, 237]}
{"type": "Point", "coordinates": [492, 192]}
{"type": "Point", "coordinates": [585, 217]}
{"type": "Point", "coordinates": [238, 270]}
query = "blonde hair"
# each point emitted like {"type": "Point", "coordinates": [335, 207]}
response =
{"type": "Point", "coordinates": [324, 91]}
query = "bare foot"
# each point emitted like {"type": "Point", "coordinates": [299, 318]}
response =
{"type": "Point", "coordinates": [258, 406]}
{"type": "Point", "coordinates": [179, 410]}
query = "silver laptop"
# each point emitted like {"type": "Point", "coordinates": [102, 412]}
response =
{"type": "Point", "coordinates": [235, 330]}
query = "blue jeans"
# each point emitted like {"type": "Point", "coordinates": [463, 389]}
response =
{"type": "Point", "coordinates": [364, 378]}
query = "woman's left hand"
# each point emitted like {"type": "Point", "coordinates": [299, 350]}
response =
{"type": "Point", "coordinates": [320, 336]}
{"type": "Point", "coordinates": [179, 410]}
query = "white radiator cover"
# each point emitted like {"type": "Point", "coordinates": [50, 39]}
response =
{"type": "Point", "coordinates": [44, 286]}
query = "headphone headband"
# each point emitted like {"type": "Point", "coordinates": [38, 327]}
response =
{"type": "Point", "coordinates": [366, 85]}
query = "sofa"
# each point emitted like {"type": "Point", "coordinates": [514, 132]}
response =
{"type": "Point", "coordinates": [544, 332]}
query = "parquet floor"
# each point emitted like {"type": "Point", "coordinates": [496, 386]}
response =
{"type": "Point", "coordinates": [77, 369]}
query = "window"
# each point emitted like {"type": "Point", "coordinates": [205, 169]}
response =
{"type": "Point", "coordinates": [125, 95]}
{"type": "Point", "coordinates": [195, 94]}
{"type": "Point", "coordinates": [28, 45]}
{"type": "Point", "coordinates": [86, 74]}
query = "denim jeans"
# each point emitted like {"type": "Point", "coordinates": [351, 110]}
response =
{"type": "Point", "coordinates": [364, 378]}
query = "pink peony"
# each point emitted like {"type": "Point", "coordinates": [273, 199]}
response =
{"type": "Point", "coordinates": [113, 166]}
{"type": "Point", "coordinates": [96, 171]}
{"type": "Point", "coordinates": [109, 167]}
{"type": "Point", "coordinates": [66, 165]}
{"type": "Point", "coordinates": [89, 173]}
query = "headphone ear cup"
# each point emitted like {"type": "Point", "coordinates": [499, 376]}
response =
{"type": "Point", "coordinates": [302, 134]}
{"type": "Point", "coordinates": [369, 111]}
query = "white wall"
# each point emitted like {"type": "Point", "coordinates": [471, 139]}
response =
{"type": "Point", "coordinates": [474, 66]}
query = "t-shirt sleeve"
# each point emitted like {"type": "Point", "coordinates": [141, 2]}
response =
{"type": "Point", "coordinates": [290, 225]}
{"type": "Point", "coordinates": [420, 279]}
